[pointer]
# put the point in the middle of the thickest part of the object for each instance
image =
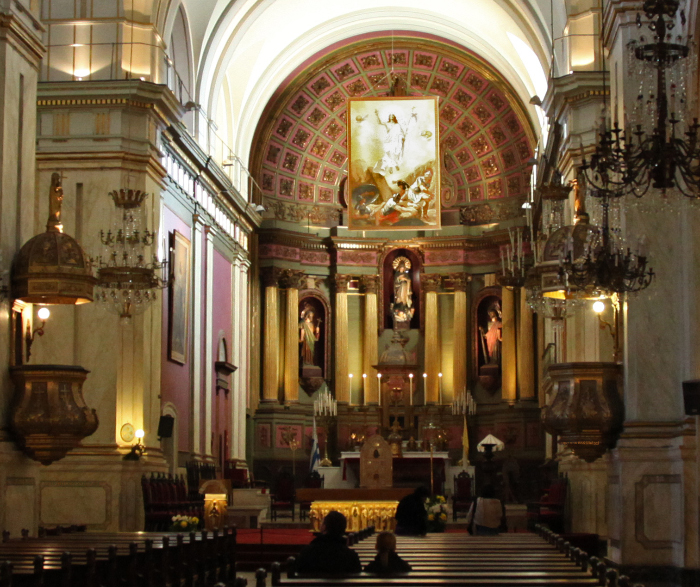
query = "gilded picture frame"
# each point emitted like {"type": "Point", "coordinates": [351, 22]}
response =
{"type": "Point", "coordinates": [394, 164]}
{"type": "Point", "coordinates": [179, 302]}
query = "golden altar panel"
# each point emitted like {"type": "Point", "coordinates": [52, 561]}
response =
{"type": "Point", "coordinates": [359, 514]}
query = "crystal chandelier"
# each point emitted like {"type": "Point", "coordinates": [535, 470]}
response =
{"type": "Point", "coordinates": [654, 151]}
{"type": "Point", "coordinates": [604, 268]}
{"type": "Point", "coordinates": [128, 278]}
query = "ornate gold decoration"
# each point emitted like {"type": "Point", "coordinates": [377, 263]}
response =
{"type": "Point", "coordinates": [359, 514]}
{"type": "Point", "coordinates": [398, 260]}
{"type": "Point", "coordinates": [587, 410]}
{"type": "Point", "coordinates": [51, 268]}
{"type": "Point", "coordinates": [376, 463]}
{"type": "Point", "coordinates": [50, 416]}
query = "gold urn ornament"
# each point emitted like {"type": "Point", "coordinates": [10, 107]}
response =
{"type": "Point", "coordinates": [50, 416]}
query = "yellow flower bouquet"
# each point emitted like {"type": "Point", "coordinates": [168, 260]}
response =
{"type": "Point", "coordinates": [437, 513]}
{"type": "Point", "coordinates": [184, 523]}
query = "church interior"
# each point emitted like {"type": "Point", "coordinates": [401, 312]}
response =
{"type": "Point", "coordinates": [257, 249]}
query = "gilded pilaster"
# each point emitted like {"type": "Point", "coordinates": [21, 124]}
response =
{"type": "Point", "coordinates": [459, 345]}
{"type": "Point", "coordinates": [430, 284]}
{"type": "Point", "coordinates": [291, 281]}
{"type": "Point", "coordinates": [526, 356]}
{"type": "Point", "coordinates": [270, 277]}
{"type": "Point", "coordinates": [370, 286]}
{"type": "Point", "coordinates": [342, 387]}
{"type": "Point", "coordinates": [508, 357]}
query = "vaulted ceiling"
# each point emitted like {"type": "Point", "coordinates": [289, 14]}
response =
{"type": "Point", "coordinates": [299, 153]}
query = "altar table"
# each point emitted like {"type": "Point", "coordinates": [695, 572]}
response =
{"type": "Point", "coordinates": [410, 470]}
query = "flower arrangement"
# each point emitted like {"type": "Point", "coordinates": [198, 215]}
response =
{"type": "Point", "coordinates": [184, 523]}
{"type": "Point", "coordinates": [437, 513]}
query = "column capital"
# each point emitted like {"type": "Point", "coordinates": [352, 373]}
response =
{"type": "Point", "coordinates": [341, 282]}
{"type": "Point", "coordinates": [460, 281]}
{"type": "Point", "coordinates": [270, 276]}
{"type": "Point", "coordinates": [430, 282]}
{"type": "Point", "coordinates": [369, 283]}
{"type": "Point", "coordinates": [292, 279]}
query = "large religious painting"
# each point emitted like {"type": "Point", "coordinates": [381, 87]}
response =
{"type": "Point", "coordinates": [179, 298]}
{"type": "Point", "coordinates": [393, 170]}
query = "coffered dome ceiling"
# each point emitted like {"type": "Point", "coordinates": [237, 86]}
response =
{"type": "Point", "coordinates": [299, 156]}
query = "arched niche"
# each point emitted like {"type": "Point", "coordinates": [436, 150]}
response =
{"type": "Point", "coordinates": [487, 365]}
{"type": "Point", "coordinates": [387, 287]}
{"type": "Point", "coordinates": [311, 376]}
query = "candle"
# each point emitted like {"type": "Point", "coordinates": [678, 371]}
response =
{"type": "Point", "coordinates": [350, 387]}
{"type": "Point", "coordinates": [364, 387]}
{"type": "Point", "coordinates": [379, 391]}
{"type": "Point", "coordinates": [440, 395]}
{"type": "Point", "coordinates": [503, 262]}
{"type": "Point", "coordinates": [410, 389]}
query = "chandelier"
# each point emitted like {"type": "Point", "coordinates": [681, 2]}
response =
{"type": "Point", "coordinates": [128, 277]}
{"type": "Point", "coordinates": [654, 151]}
{"type": "Point", "coordinates": [602, 268]}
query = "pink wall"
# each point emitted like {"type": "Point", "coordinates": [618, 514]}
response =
{"type": "Point", "coordinates": [175, 378]}
{"type": "Point", "coordinates": [221, 321]}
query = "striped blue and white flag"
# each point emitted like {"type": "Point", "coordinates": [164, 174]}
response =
{"type": "Point", "coordinates": [315, 453]}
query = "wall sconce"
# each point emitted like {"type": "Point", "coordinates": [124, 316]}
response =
{"type": "Point", "coordinates": [136, 451]}
{"type": "Point", "coordinates": [43, 315]}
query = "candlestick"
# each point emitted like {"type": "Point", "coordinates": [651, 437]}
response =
{"type": "Point", "coordinates": [350, 388]}
{"type": "Point", "coordinates": [364, 388]}
{"type": "Point", "coordinates": [410, 389]}
{"type": "Point", "coordinates": [440, 394]}
{"type": "Point", "coordinates": [379, 385]}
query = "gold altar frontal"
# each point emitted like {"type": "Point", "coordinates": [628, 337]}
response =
{"type": "Point", "coordinates": [359, 514]}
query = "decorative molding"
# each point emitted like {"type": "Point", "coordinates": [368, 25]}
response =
{"type": "Point", "coordinates": [341, 282]}
{"type": "Point", "coordinates": [353, 257]}
{"type": "Point", "coordinates": [430, 282]}
{"type": "Point", "coordinates": [639, 510]}
{"type": "Point", "coordinates": [270, 276]}
{"type": "Point", "coordinates": [459, 281]}
{"type": "Point", "coordinates": [369, 284]}
{"type": "Point", "coordinates": [292, 279]}
{"type": "Point", "coordinates": [495, 211]}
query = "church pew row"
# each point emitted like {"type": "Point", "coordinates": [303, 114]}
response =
{"type": "Point", "coordinates": [502, 562]}
{"type": "Point", "coordinates": [120, 560]}
{"type": "Point", "coordinates": [126, 559]}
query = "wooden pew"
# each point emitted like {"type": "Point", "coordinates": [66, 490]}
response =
{"type": "Point", "coordinates": [465, 561]}
{"type": "Point", "coordinates": [123, 559]}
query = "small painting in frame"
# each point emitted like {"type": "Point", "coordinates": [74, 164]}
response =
{"type": "Point", "coordinates": [179, 298]}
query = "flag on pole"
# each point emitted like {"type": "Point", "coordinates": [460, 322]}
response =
{"type": "Point", "coordinates": [465, 444]}
{"type": "Point", "coordinates": [315, 453]}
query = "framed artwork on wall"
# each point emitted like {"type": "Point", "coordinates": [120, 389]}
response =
{"type": "Point", "coordinates": [393, 169]}
{"type": "Point", "coordinates": [179, 298]}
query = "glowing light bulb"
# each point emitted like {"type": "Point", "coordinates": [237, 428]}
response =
{"type": "Point", "coordinates": [139, 433]}
{"type": "Point", "coordinates": [598, 307]}
{"type": "Point", "coordinates": [43, 313]}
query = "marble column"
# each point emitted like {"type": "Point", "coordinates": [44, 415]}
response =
{"type": "Point", "coordinates": [270, 277]}
{"type": "Point", "coordinates": [370, 286]}
{"type": "Point", "coordinates": [508, 354]}
{"type": "Point", "coordinates": [235, 357]}
{"type": "Point", "coordinates": [459, 345]}
{"type": "Point", "coordinates": [291, 281]}
{"type": "Point", "coordinates": [526, 350]}
{"type": "Point", "coordinates": [342, 368]}
{"type": "Point", "coordinates": [430, 283]}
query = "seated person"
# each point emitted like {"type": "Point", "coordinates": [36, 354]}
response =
{"type": "Point", "coordinates": [328, 553]}
{"type": "Point", "coordinates": [411, 517]}
{"type": "Point", "coordinates": [387, 561]}
{"type": "Point", "coordinates": [487, 513]}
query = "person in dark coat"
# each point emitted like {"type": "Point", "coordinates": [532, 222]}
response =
{"type": "Point", "coordinates": [411, 517]}
{"type": "Point", "coordinates": [387, 561]}
{"type": "Point", "coordinates": [328, 553]}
